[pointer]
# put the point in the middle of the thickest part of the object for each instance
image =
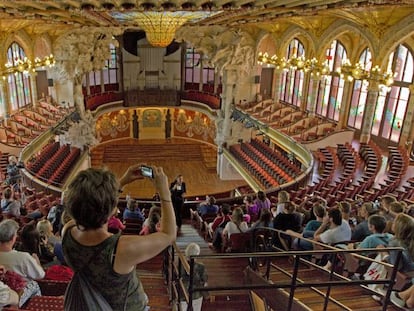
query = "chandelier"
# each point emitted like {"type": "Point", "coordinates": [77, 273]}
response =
{"type": "Point", "coordinates": [160, 27]}
{"type": "Point", "coordinates": [26, 65]}
{"type": "Point", "coordinates": [358, 72]}
{"type": "Point", "coordinates": [295, 63]}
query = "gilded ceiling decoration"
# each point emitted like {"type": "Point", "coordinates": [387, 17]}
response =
{"type": "Point", "coordinates": [56, 17]}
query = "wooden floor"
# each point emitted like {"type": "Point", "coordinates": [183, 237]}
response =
{"type": "Point", "coordinates": [194, 160]}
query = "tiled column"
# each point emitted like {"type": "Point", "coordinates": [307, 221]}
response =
{"type": "Point", "coordinates": [369, 111]}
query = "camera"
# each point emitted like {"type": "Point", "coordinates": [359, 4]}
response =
{"type": "Point", "coordinates": [146, 171]}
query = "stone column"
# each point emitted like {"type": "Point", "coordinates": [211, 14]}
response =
{"type": "Point", "coordinates": [33, 87]}
{"type": "Point", "coordinates": [407, 133]}
{"type": "Point", "coordinates": [102, 81]}
{"type": "Point", "coordinates": [369, 111]}
{"type": "Point", "coordinates": [200, 84]}
{"type": "Point", "coordinates": [344, 111]}
{"type": "Point", "coordinates": [277, 85]}
{"type": "Point", "coordinates": [312, 98]}
{"type": "Point", "coordinates": [5, 98]}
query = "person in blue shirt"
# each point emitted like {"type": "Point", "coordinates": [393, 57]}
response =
{"type": "Point", "coordinates": [133, 211]}
{"type": "Point", "coordinates": [208, 207]}
{"type": "Point", "coordinates": [376, 224]}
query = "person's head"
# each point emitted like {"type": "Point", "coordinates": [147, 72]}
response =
{"type": "Point", "coordinates": [211, 200]}
{"type": "Point", "coordinates": [386, 200]}
{"type": "Point", "coordinates": [30, 238]}
{"type": "Point", "coordinates": [8, 230]}
{"type": "Point", "coordinates": [319, 210]}
{"type": "Point", "coordinates": [367, 209]}
{"type": "Point", "coordinates": [225, 209]}
{"type": "Point", "coordinates": [344, 207]}
{"type": "Point", "coordinates": [7, 193]}
{"type": "Point", "coordinates": [289, 208]}
{"type": "Point", "coordinates": [265, 215]}
{"type": "Point", "coordinates": [283, 196]}
{"type": "Point", "coordinates": [154, 219]}
{"type": "Point", "coordinates": [12, 160]}
{"type": "Point", "coordinates": [91, 197]}
{"type": "Point", "coordinates": [261, 195]}
{"type": "Point", "coordinates": [132, 204]}
{"type": "Point", "coordinates": [335, 216]}
{"type": "Point", "coordinates": [403, 227]}
{"type": "Point", "coordinates": [377, 223]}
{"type": "Point", "coordinates": [179, 178]}
{"type": "Point", "coordinates": [192, 249]}
{"type": "Point", "coordinates": [237, 215]}
{"type": "Point", "coordinates": [397, 207]}
{"type": "Point", "coordinates": [248, 200]}
{"type": "Point", "coordinates": [45, 227]}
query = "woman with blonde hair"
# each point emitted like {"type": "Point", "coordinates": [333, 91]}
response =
{"type": "Point", "coordinates": [403, 228]}
{"type": "Point", "coordinates": [236, 225]}
{"type": "Point", "coordinates": [283, 198]}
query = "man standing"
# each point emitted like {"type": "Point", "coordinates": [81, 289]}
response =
{"type": "Point", "coordinates": [178, 190]}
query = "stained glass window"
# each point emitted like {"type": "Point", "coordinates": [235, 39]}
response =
{"type": "Point", "coordinates": [292, 79]}
{"type": "Point", "coordinates": [359, 94]}
{"type": "Point", "coordinates": [391, 106]}
{"type": "Point", "coordinates": [19, 82]}
{"type": "Point", "coordinates": [331, 88]}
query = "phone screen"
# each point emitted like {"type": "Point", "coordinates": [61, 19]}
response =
{"type": "Point", "coordinates": [147, 171]}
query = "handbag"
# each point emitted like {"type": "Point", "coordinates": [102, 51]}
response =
{"type": "Point", "coordinates": [376, 271]}
{"type": "Point", "coordinates": [82, 296]}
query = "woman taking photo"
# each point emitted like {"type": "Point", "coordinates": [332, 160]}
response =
{"type": "Point", "coordinates": [104, 261]}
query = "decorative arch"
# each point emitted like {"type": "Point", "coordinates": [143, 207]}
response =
{"type": "Point", "coordinates": [399, 33]}
{"type": "Point", "coordinates": [23, 39]}
{"type": "Point", "coordinates": [341, 28]}
{"type": "Point", "coordinates": [308, 40]}
{"type": "Point", "coordinates": [42, 46]}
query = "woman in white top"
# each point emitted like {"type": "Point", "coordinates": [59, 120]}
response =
{"type": "Point", "coordinates": [236, 225]}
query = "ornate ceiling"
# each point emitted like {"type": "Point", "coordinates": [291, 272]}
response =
{"type": "Point", "coordinates": [55, 17]}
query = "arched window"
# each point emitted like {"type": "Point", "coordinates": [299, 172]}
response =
{"type": "Point", "coordinates": [359, 94]}
{"type": "Point", "coordinates": [20, 93]}
{"type": "Point", "coordinates": [331, 87]}
{"type": "Point", "coordinates": [292, 79]}
{"type": "Point", "coordinates": [391, 107]}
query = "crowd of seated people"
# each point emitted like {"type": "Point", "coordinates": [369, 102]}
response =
{"type": "Point", "coordinates": [348, 224]}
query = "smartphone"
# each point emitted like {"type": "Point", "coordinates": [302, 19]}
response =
{"type": "Point", "coordinates": [146, 171]}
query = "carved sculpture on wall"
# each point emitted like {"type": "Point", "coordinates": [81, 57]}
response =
{"type": "Point", "coordinates": [221, 46]}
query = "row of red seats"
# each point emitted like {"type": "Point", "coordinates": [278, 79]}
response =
{"type": "Point", "coordinates": [59, 175]}
{"type": "Point", "coordinates": [254, 168]}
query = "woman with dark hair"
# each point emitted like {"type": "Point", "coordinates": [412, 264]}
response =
{"type": "Point", "coordinates": [32, 242]}
{"type": "Point", "coordinates": [264, 221]}
{"type": "Point", "coordinates": [152, 223]}
{"type": "Point", "coordinates": [104, 262]}
{"type": "Point", "coordinates": [178, 189]}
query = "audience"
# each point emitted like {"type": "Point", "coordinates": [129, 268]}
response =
{"type": "Point", "coordinates": [208, 207]}
{"type": "Point", "coordinates": [132, 211]}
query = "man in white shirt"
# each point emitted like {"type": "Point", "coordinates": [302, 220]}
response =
{"type": "Point", "coordinates": [25, 264]}
{"type": "Point", "coordinates": [333, 229]}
